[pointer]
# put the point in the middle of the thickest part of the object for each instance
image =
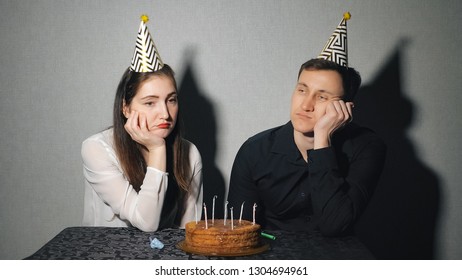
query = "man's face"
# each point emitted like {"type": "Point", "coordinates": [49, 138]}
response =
{"type": "Point", "coordinates": [315, 89]}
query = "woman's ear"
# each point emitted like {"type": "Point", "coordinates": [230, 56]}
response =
{"type": "Point", "coordinates": [125, 109]}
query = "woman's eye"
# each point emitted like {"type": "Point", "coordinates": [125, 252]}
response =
{"type": "Point", "coordinates": [149, 103]}
{"type": "Point", "coordinates": [172, 100]}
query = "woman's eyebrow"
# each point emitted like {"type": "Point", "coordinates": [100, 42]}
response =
{"type": "Point", "coordinates": [157, 97]}
{"type": "Point", "coordinates": [149, 96]}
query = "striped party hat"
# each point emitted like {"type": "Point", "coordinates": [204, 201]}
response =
{"type": "Point", "coordinates": [146, 57]}
{"type": "Point", "coordinates": [336, 47]}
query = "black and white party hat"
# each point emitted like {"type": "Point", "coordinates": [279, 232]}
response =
{"type": "Point", "coordinates": [146, 57]}
{"type": "Point", "coordinates": [336, 47]}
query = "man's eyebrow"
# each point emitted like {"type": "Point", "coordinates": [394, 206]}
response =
{"type": "Point", "coordinates": [321, 91]}
{"type": "Point", "coordinates": [326, 91]}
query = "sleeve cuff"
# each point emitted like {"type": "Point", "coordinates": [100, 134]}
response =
{"type": "Point", "coordinates": [155, 170]}
{"type": "Point", "coordinates": [322, 159]}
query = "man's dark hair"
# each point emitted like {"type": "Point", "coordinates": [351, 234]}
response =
{"type": "Point", "coordinates": [350, 77]}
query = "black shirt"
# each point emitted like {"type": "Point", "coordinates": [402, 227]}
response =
{"type": "Point", "coordinates": [328, 193]}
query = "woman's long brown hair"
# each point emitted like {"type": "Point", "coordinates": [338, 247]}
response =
{"type": "Point", "coordinates": [129, 152]}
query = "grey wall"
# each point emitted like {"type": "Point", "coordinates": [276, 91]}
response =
{"type": "Point", "coordinates": [236, 62]}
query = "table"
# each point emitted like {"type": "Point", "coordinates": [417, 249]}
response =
{"type": "Point", "coordinates": [95, 243]}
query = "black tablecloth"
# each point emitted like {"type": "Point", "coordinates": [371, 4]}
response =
{"type": "Point", "coordinates": [131, 243]}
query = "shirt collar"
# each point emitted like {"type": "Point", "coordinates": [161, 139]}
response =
{"type": "Point", "coordinates": [284, 143]}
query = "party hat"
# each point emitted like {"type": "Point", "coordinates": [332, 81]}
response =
{"type": "Point", "coordinates": [146, 57]}
{"type": "Point", "coordinates": [336, 47]}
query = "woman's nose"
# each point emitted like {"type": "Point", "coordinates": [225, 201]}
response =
{"type": "Point", "coordinates": [164, 114]}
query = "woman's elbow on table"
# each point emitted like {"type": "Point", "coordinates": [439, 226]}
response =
{"type": "Point", "coordinates": [145, 226]}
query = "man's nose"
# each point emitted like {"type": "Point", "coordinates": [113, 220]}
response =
{"type": "Point", "coordinates": [308, 103]}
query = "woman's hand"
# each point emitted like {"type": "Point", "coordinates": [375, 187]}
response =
{"type": "Point", "coordinates": [138, 129]}
{"type": "Point", "coordinates": [338, 113]}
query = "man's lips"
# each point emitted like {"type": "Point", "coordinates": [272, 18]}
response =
{"type": "Point", "coordinates": [301, 115]}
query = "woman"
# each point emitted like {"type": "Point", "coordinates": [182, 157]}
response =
{"type": "Point", "coordinates": [141, 172]}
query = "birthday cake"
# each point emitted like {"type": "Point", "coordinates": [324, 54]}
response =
{"type": "Point", "coordinates": [220, 237]}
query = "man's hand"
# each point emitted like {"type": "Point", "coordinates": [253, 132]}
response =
{"type": "Point", "coordinates": [338, 113]}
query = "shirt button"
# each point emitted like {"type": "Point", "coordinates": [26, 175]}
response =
{"type": "Point", "coordinates": [308, 218]}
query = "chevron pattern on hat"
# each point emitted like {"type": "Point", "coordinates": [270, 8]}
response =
{"type": "Point", "coordinates": [336, 47]}
{"type": "Point", "coordinates": [146, 58]}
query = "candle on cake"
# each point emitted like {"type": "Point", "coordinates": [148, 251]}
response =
{"type": "Point", "coordinates": [226, 213]}
{"type": "Point", "coordinates": [213, 209]}
{"type": "Point", "coordinates": [232, 222]}
{"type": "Point", "coordinates": [240, 215]}
{"type": "Point", "coordinates": [205, 213]}
{"type": "Point", "coordinates": [254, 209]}
{"type": "Point", "coordinates": [195, 211]}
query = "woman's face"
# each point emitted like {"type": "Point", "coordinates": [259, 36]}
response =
{"type": "Point", "coordinates": [157, 100]}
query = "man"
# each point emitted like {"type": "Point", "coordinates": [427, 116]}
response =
{"type": "Point", "coordinates": [318, 171]}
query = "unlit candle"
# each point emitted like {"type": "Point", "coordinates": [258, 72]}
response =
{"type": "Point", "coordinates": [226, 213]}
{"type": "Point", "coordinates": [195, 211]}
{"type": "Point", "coordinates": [213, 210]}
{"type": "Point", "coordinates": [205, 213]}
{"type": "Point", "coordinates": [254, 209]}
{"type": "Point", "coordinates": [240, 215]}
{"type": "Point", "coordinates": [232, 222]}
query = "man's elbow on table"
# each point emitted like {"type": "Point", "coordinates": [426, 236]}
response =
{"type": "Point", "coordinates": [332, 229]}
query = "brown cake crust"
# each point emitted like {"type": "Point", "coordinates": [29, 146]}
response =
{"type": "Point", "coordinates": [220, 238]}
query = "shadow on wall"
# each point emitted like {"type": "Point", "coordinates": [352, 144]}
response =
{"type": "Point", "coordinates": [200, 128]}
{"type": "Point", "coordinates": [400, 221]}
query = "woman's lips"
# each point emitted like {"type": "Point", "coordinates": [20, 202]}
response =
{"type": "Point", "coordinates": [164, 125]}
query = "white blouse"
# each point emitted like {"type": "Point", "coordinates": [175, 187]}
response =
{"type": "Point", "coordinates": [111, 201]}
